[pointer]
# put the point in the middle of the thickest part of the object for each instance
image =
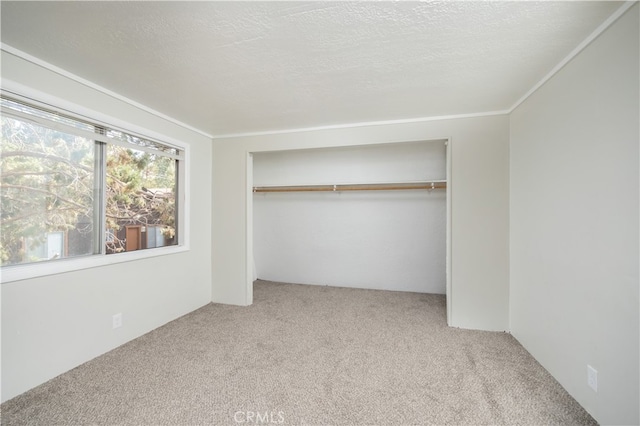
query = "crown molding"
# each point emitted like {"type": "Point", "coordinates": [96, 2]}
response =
{"type": "Point", "coordinates": [363, 124]}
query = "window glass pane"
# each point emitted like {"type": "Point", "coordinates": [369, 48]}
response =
{"type": "Point", "coordinates": [140, 204]}
{"type": "Point", "coordinates": [134, 140]}
{"type": "Point", "coordinates": [46, 193]}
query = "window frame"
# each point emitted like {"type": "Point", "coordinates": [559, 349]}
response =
{"type": "Point", "coordinates": [18, 272]}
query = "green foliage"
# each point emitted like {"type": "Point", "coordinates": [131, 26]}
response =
{"type": "Point", "coordinates": [46, 182]}
{"type": "Point", "coordinates": [47, 185]}
{"type": "Point", "coordinates": [140, 189]}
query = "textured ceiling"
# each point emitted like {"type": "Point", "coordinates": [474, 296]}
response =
{"type": "Point", "coordinates": [236, 67]}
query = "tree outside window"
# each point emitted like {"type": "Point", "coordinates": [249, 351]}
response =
{"type": "Point", "coordinates": [66, 195]}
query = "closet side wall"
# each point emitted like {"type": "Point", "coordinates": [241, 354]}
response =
{"type": "Point", "coordinates": [480, 188]}
{"type": "Point", "coordinates": [386, 240]}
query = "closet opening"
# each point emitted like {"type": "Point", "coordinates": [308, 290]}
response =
{"type": "Point", "coordinates": [368, 216]}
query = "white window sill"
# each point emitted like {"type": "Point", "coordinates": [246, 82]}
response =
{"type": "Point", "coordinates": [41, 269]}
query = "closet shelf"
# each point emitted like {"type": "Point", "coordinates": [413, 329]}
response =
{"type": "Point", "coordinates": [428, 185]}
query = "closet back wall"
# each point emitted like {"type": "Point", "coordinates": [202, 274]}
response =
{"type": "Point", "coordinates": [392, 240]}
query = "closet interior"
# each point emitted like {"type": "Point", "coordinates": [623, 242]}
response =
{"type": "Point", "coordinates": [372, 216]}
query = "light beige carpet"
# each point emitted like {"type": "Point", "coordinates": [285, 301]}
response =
{"type": "Point", "coordinates": [307, 355]}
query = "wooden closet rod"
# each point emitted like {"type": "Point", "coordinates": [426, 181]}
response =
{"type": "Point", "coordinates": [436, 184]}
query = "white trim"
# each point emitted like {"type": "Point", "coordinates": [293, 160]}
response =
{"type": "Point", "coordinates": [364, 124]}
{"type": "Point", "coordinates": [184, 194]}
{"type": "Point", "coordinates": [586, 42]}
{"type": "Point", "coordinates": [249, 255]}
{"type": "Point", "coordinates": [64, 73]}
{"type": "Point", "coordinates": [34, 270]}
{"type": "Point", "coordinates": [449, 257]}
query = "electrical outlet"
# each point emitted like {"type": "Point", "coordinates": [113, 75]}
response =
{"type": "Point", "coordinates": [117, 321]}
{"type": "Point", "coordinates": [592, 378]}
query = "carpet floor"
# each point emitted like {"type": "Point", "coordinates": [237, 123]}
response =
{"type": "Point", "coordinates": [307, 355]}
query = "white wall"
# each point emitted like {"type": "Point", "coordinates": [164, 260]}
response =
{"type": "Point", "coordinates": [52, 324]}
{"type": "Point", "coordinates": [479, 207]}
{"type": "Point", "coordinates": [574, 224]}
{"type": "Point", "coordinates": [386, 240]}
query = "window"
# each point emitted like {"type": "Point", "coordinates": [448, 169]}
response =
{"type": "Point", "coordinates": [72, 188]}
